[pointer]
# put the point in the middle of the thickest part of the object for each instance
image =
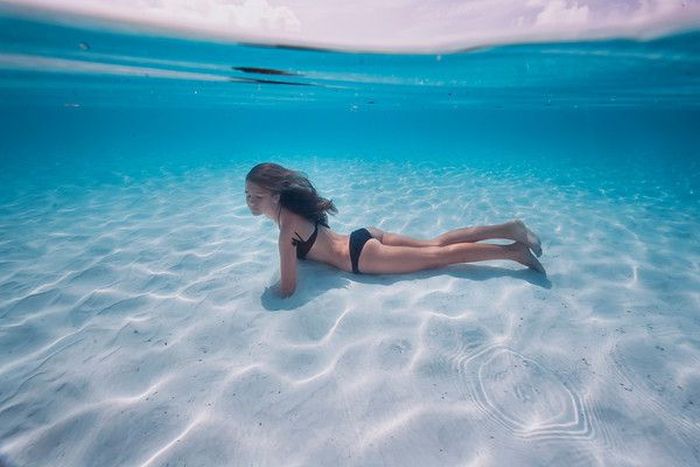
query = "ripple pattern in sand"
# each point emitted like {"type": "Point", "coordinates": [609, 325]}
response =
{"type": "Point", "coordinates": [524, 396]}
{"type": "Point", "coordinates": [143, 309]}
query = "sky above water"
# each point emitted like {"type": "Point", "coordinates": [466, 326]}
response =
{"type": "Point", "coordinates": [390, 25]}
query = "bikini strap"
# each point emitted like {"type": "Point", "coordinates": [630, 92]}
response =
{"type": "Point", "coordinates": [301, 240]}
{"type": "Point", "coordinates": [295, 241]}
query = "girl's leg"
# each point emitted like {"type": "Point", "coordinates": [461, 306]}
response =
{"type": "Point", "coordinates": [394, 239]}
{"type": "Point", "coordinates": [475, 234]}
{"type": "Point", "coordinates": [513, 230]}
{"type": "Point", "coordinates": [377, 258]}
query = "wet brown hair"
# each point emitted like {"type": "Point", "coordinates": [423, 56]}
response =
{"type": "Point", "coordinates": [296, 191]}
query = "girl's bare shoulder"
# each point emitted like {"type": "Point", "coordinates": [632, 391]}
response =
{"type": "Point", "coordinates": [290, 220]}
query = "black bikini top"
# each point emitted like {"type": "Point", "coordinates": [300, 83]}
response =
{"type": "Point", "coordinates": [303, 247]}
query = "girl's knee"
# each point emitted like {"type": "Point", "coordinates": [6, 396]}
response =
{"type": "Point", "coordinates": [440, 240]}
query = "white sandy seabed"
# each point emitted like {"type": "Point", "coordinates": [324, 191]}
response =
{"type": "Point", "coordinates": [138, 327]}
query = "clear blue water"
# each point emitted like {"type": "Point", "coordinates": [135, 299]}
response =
{"type": "Point", "coordinates": [79, 98]}
{"type": "Point", "coordinates": [123, 229]}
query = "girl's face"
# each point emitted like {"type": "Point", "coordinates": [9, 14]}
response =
{"type": "Point", "coordinates": [260, 200]}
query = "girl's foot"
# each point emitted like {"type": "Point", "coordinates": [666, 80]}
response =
{"type": "Point", "coordinates": [524, 235]}
{"type": "Point", "coordinates": [522, 255]}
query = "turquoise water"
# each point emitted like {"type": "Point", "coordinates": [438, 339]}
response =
{"type": "Point", "coordinates": [136, 323]}
{"type": "Point", "coordinates": [88, 98]}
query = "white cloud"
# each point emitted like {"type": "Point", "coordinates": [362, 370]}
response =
{"type": "Point", "coordinates": [559, 13]}
{"type": "Point", "coordinates": [250, 14]}
{"type": "Point", "coordinates": [255, 14]}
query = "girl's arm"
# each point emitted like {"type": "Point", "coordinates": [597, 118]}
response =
{"type": "Point", "coordinates": [288, 263]}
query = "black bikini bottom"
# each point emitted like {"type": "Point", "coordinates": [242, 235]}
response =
{"type": "Point", "coordinates": [358, 238]}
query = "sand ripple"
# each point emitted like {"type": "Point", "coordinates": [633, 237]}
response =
{"type": "Point", "coordinates": [137, 327]}
{"type": "Point", "coordinates": [524, 396]}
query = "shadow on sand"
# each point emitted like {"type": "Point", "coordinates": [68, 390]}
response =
{"type": "Point", "coordinates": [314, 279]}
